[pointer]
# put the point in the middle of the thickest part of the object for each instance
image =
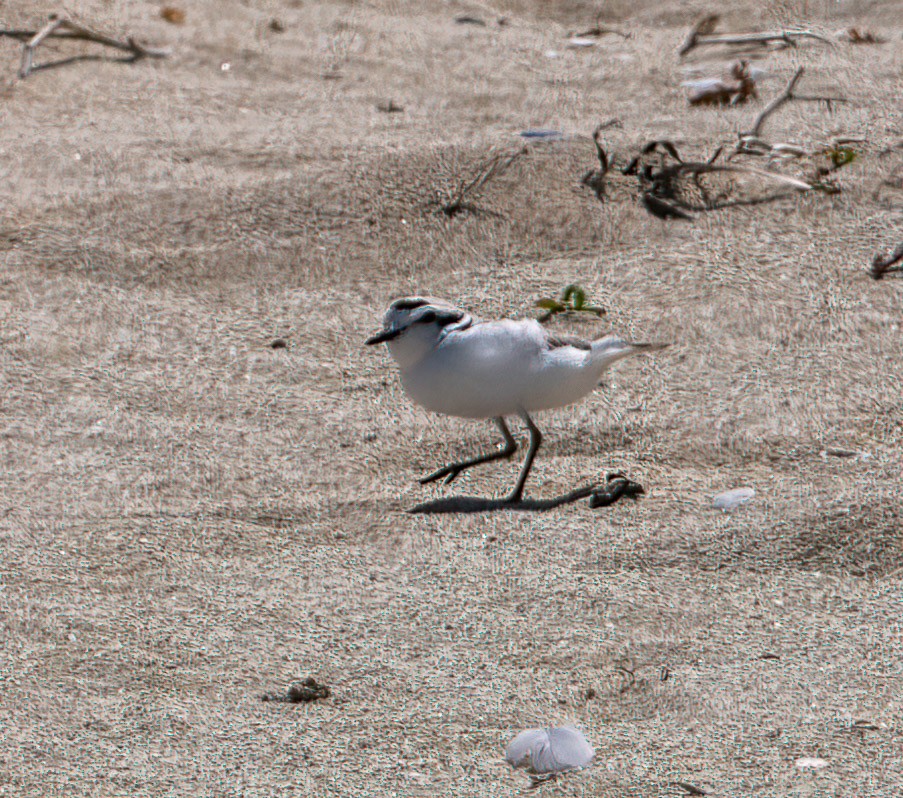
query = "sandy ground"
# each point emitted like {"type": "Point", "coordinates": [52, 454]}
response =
{"type": "Point", "coordinates": [190, 518]}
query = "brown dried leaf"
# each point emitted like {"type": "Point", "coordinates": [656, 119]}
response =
{"type": "Point", "coordinates": [172, 14]}
{"type": "Point", "coordinates": [856, 36]}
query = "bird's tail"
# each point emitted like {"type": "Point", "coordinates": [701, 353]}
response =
{"type": "Point", "coordinates": [610, 349]}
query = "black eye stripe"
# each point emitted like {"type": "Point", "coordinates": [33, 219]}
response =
{"type": "Point", "coordinates": [409, 303]}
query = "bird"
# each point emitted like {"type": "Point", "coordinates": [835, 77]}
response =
{"type": "Point", "coordinates": [456, 364]}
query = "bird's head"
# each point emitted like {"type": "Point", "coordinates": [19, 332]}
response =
{"type": "Point", "coordinates": [413, 325]}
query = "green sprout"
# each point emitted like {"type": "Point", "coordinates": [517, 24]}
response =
{"type": "Point", "coordinates": [841, 156]}
{"type": "Point", "coordinates": [573, 300]}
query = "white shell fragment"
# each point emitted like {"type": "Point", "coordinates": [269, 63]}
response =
{"type": "Point", "coordinates": [732, 499]}
{"type": "Point", "coordinates": [553, 750]}
{"type": "Point", "coordinates": [811, 763]}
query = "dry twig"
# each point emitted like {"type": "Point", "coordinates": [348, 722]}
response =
{"type": "Point", "coordinates": [599, 30]}
{"type": "Point", "coordinates": [776, 103]}
{"type": "Point", "coordinates": [595, 178]}
{"type": "Point", "coordinates": [59, 27]}
{"type": "Point", "coordinates": [751, 141]}
{"type": "Point", "coordinates": [881, 265]}
{"type": "Point", "coordinates": [494, 167]}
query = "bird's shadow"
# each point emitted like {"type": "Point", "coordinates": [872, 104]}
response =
{"type": "Point", "coordinates": [476, 504]}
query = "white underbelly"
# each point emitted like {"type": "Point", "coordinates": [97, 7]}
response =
{"type": "Point", "coordinates": [499, 392]}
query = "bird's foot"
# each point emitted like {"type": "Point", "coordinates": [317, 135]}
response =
{"type": "Point", "coordinates": [449, 473]}
{"type": "Point", "coordinates": [616, 487]}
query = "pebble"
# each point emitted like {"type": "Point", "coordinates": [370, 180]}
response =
{"type": "Point", "coordinates": [542, 134]}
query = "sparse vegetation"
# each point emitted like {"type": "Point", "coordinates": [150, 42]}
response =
{"type": "Point", "coordinates": [572, 300]}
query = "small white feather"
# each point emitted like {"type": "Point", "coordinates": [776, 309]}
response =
{"type": "Point", "coordinates": [552, 750]}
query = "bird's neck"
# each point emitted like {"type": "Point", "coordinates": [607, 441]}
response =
{"type": "Point", "coordinates": [412, 346]}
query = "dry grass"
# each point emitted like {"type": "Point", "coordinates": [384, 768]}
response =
{"type": "Point", "coordinates": [191, 519]}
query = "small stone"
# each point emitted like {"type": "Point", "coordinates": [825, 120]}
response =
{"type": "Point", "coordinates": [542, 135]}
{"type": "Point", "coordinates": [309, 690]}
{"type": "Point", "coordinates": [837, 451]}
{"type": "Point", "coordinates": [466, 19]}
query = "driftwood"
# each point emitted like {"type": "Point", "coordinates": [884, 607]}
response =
{"type": "Point", "coordinates": [59, 27]}
{"type": "Point", "coordinates": [703, 33]}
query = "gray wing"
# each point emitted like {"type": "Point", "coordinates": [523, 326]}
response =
{"type": "Point", "coordinates": [557, 341]}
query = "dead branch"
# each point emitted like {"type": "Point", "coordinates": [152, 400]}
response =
{"type": "Point", "coordinates": [787, 37]}
{"type": "Point", "coordinates": [664, 188]}
{"type": "Point", "coordinates": [751, 142]}
{"type": "Point", "coordinates": [672, 188]}
{"type": "Point", "coordinates": [881, 265]}
{"type": "Point", "coordinates": [63, 28]}
{"type": "Point", "coordinates": [776, 103]}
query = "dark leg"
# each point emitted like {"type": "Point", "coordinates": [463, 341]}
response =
{"type": "Point", "coordinates": [451, 471]}
{"type": "Point", "coordinates": [535, 441]}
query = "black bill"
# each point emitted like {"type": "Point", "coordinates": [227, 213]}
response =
{"type": "Point", "coordinates": [385, 335]}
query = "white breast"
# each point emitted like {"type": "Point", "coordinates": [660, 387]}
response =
{"type": "Point", "coordinates": [496, 369]}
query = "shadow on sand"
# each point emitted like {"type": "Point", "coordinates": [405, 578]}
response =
{"type": "Point", "coordinates": [474, 504]}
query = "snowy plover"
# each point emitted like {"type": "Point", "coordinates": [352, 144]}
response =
{"type": "Point", "coordinates": [458, 365]}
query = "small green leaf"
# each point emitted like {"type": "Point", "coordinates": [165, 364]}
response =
{"type": "Point", "coordinates": [841, 156]}
{"type": "Point", "coordinates": [575, 294]}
